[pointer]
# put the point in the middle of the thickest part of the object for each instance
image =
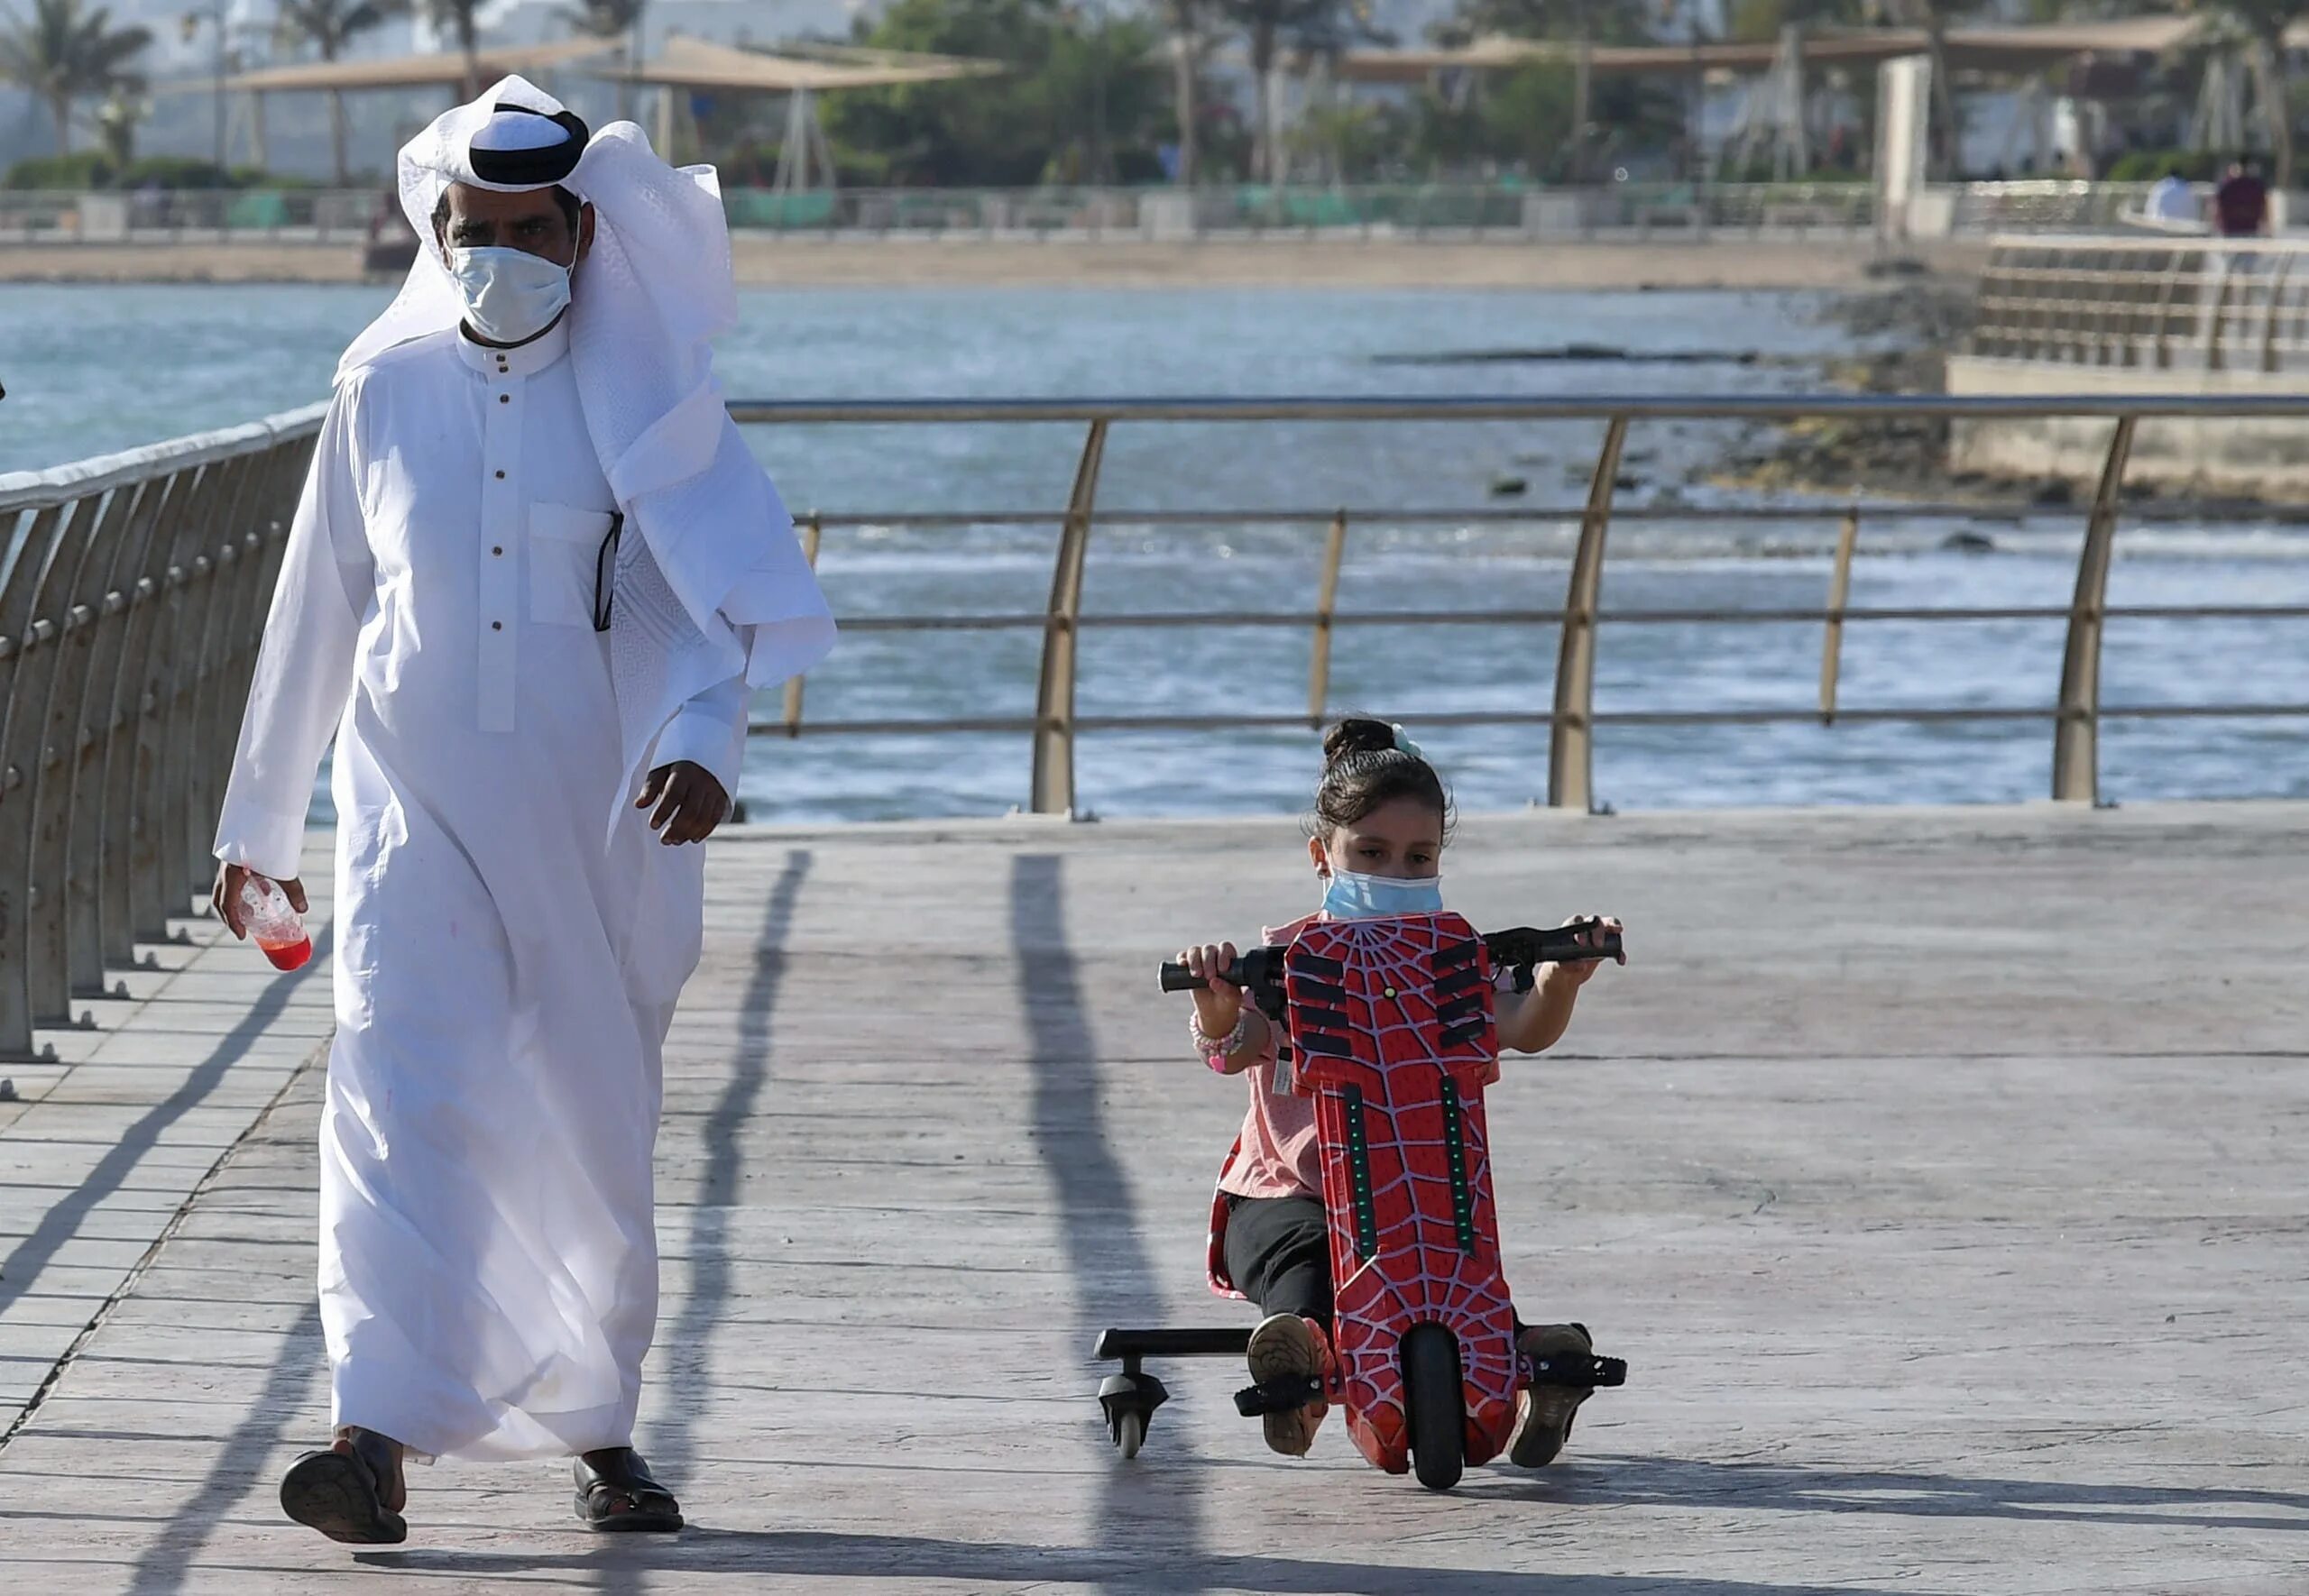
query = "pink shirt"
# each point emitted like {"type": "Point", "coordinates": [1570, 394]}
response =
{"type": "Point", "coordinates": [1276, 1154]}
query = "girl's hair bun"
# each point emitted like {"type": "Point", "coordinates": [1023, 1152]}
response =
{"type": "Point", "coordinates": [1367, 763]}
{"type": "Point", "coordinates": [1357, 735]}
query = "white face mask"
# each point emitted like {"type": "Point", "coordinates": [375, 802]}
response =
{"type": "Point", "coordinates": [510, 295]}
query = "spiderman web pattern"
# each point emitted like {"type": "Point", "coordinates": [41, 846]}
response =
{"type": "Point", "coordinates": [1364, 998]}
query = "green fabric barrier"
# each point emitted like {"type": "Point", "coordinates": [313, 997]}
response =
{"type": "Point", "coordinates": [258, 209]}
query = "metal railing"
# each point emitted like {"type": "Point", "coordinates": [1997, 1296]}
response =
{"type": "Point", "coordinates": [2046, 204]}
{"type": "Point", "coordinates": [2195, 303]}
{"type": "Point", "coordinates": [134, 589]}
{"type": "Point", "coordinates": [189, 215]}
{"type": "Point", "coordinates": [133, 595]}
{"type": "Point", "coordinates": [1415, 210]}
{"type": "Point", "coordinates": [1572, 720]}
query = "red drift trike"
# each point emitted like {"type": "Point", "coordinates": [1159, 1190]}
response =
{"type": "Point", "coordinates": [1390, 1028]}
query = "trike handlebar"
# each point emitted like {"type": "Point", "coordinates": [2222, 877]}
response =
{"type": "Point", "coordinates": [1519, 948]}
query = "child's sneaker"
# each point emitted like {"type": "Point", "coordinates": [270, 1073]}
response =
{"type": "Point", "coordinates": [1287, 1347]}
{"type": "Point", "coordinates": [1543, 1412]}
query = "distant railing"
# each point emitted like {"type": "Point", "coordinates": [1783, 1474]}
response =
{"type": "Point", "coordinates": [1691, 211]}
{"type": "Point", "coordinates": [1389, 210]}
{"type": "Point", "coordinates": [131, 601]}
{"type": "Point", "coordinates": [134, 589]}
{"type": "Point", "coordinates": [2188, 304]}
{"type": "Point", "coordinates": [2047, 205]}
{"type": "Point", "coordinates": [189, 215]}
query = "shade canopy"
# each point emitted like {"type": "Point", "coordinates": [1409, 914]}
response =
{"type": "Point", "coordinates": [699, 63]}
{"type": "Point", "coordinates": [435, 69]}
{"type": "Point", "coordinates": [2016, 49]}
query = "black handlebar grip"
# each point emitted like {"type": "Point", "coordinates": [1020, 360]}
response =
{"type": "Point", "coordinates": [1177, 977]}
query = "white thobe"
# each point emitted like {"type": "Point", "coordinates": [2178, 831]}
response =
{"type": "Point", "coordinates": [506, 961]}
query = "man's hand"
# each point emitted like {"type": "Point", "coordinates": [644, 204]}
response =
{"type": "Point", "coordinates": [226, 896]}
{"type": "Point", "coordinates": [689, 802]}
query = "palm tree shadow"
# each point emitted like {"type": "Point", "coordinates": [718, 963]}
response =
{"type": "Point", "coordinates": [1687, 1482]}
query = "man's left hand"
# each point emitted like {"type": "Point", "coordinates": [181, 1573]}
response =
{"type": "Point", "coordinates": [688, 800]}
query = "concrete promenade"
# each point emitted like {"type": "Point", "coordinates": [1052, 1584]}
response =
{"type": "Point", "coordinates": [1941, 1174]}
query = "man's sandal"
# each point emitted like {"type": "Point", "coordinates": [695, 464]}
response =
{"type": "Point", "coordinates": [342, 1493]}
{"type": "Point", "coordinates": [615, 1491]}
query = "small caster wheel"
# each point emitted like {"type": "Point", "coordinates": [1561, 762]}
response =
{"type": "Point", "coordinates": [1129, 1399]}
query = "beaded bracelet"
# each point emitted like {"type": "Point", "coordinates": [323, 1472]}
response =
{"type": "Point", "coordinates": [1215, 1052]}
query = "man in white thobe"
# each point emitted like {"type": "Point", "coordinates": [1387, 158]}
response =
{"type": "Point", "coordinates": [532, 577]}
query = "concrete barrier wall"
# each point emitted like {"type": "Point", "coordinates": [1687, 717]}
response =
{"type": "Point", "coordinates": [2265, 459]}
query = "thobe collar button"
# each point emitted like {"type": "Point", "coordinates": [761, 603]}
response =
{"type": "Point", "coordinates": [501, 476]}
{"type": "Point", "coordinates": [504, 398]}
{"type": "Point", "coordinates": [496, 626]}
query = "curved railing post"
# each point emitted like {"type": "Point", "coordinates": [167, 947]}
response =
{"type": "Point", "coordinates": [1054, 785]}
{"type": "Point", "coordinates": [1319, 662]}
{"type": "Point", "coordinates": [813, 531]}
{"type": "Point", "coordinates": [27, 652]}
{"type": "Point", "coordinates": [1839, 596]}
{"type": "Point", "coordinates": [89, 722]}
{"type": "Point", "coordinates": [190, 573]}
{"type": "Point", "coordinates": [2281, 268]}
{"type": "Point", "coordinates": [1571, 735]}
{"type": "Point", "coordinates": [2076, 729]}
{"type": "Point", "coordinates": [216, 572]}
{"type": "Point", "coordinates": [77, 574]}
{"type": "Point", "coordinates": [124, 914]}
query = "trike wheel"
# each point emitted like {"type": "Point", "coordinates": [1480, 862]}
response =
{"type": "Point", "coordinates": [1130, 1433]}
{"type": "Point", "coordinates": [1430, 1358]}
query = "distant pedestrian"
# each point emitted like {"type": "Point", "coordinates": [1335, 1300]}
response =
{"type": "Point", "coordinates": [2241, 204]}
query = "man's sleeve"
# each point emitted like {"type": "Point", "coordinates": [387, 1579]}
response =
{"type": "Point", "coordinates": [710, 731]}
{"type": "Point", "coordinates": [304, 670]}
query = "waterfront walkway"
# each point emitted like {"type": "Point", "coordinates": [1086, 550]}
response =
{"type": "Point", "coordinates": [1940, 1175]}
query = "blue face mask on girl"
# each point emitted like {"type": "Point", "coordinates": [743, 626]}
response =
{"type": "Point", "coordinates": [1349, 894]}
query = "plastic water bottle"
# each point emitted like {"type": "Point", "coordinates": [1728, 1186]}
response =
{"type": "Point", "coordinates": [275, 927]}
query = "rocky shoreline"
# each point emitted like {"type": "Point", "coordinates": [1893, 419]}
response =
{"type": "Point", "coordinates": [1904, 339]}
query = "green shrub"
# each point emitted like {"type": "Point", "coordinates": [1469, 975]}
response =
{"type": "Point", "coordinates": [174, 171]}
{"type": "Point", "coordinates": [89, 168]}
{"type": "Point", "coordinates": [2149, 166]}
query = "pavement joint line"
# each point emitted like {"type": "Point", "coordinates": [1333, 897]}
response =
{"type": "Point", "coordinates": [144, 1262]}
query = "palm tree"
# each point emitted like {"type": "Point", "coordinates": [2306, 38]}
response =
{"type": "Point", "coordinates": [457, 17]}
{"type": "Point", "coordinates": [614, 20]}
{"type": "Point", "coordinates": [329, 25]}
{"type": "Point", "coordinates": [64, 54]}
{"type": "Point", "coordinates": [1265, 22]}
{"type": "Point", "coordinates": [1189, 22]}
{"type": "Point", "coordinates": [2265, 21]}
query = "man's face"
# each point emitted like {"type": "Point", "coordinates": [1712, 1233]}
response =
{"type": "Point", "coordinates": [530, 220]}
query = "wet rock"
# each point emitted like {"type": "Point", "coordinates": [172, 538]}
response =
{"type": "Point", "coordinates": [1505, 486]}
{"type": "Point", "coordinates": [1969, 543]}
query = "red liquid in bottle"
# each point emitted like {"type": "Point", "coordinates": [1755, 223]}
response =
{"type": "Point", "coordinates": [276, 928]}
{"type": "Point", "coordinates": [287, 956]}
